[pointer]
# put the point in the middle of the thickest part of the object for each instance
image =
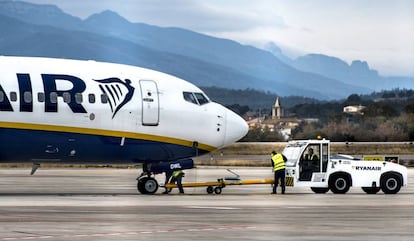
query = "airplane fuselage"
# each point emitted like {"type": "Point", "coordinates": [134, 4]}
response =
{"type": "Point", "coordinates": [86, 111]}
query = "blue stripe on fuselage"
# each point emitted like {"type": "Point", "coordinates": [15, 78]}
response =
{"type": "Point", "coordinates": [19, 145]}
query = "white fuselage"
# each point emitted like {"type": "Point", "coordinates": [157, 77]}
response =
{"type": "Point", "coordinates": [124, 113]}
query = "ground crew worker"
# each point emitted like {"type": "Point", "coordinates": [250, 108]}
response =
{"type": "Point", "coordinates": [278, 163]}
{"type": "Point", "coordinates": [313, 160]}
{"type": "Point", "coordinates": [168, 175]}
{"type": "Point", "coordinates": [177, 177]}
{"type": "Point", "coordinates": [312, 156]}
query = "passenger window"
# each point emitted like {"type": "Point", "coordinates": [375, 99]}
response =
{"type": "Point", "coordinates": [13, 96]}
{"type": "Point", "coordinates": [188, 96]}
{"type": "Point", "coordinates": [78, 98]}
{"type": "Point", "coordinates": [27, 97]}
{"type": "Point", "coordinates": [41, 97]}
{"type": "Point", "coordinates": [91, 98]}
{"type": "Point", "coordinates": [1, 96]}
{"type": "Point", "coordinates": [202, 99]}
{"type": "Point", "coordinates": [66, 97]}
{"type": "Point", "coordinates": [53, 97]}
{"type": "Point", "coordinates": [104, 99]}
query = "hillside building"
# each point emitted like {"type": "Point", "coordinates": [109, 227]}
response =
{"type": "Point", "coordinates": [354, 109]}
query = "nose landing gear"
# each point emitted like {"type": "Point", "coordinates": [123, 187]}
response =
{"type": "Point", "coordinates": [147, 184]}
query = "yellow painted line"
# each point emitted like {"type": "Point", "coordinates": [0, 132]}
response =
{"type": "Point", "coordinates": [226, 183]}
{"type": "Point", "coordinates": [196, 184]}
{"type": "Point", "coordinates": [101, 132]}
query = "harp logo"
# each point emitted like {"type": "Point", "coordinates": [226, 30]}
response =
{"type": "Point", "coordinates": [119, 92]}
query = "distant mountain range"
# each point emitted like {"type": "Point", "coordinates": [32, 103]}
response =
{"type": "Point", "coordinates": [358, 73]}
{"type": "Point", "coordinates": [45, 30]}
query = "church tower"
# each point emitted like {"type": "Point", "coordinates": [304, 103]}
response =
{"type": "Point", "coordinates": [277, 110]}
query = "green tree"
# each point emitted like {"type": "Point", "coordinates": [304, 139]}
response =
{"type": "Point", "coordinates": [380, 109]}
{"type": "Point", "coordinates": [259, 134]}
{"type": "Point", "coordinates": [353, 99]}
{"type": "Point", "coordinates": [409, 107]}
{"type": "Point", "coordinates": [308, 131]}
{"type": "Point", "coordinates": [240, 110]}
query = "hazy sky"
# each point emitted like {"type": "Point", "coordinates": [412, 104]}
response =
{"type": "Point", "coordinates": [378, 31]}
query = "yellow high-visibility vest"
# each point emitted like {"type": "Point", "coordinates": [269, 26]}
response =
{"type": "Point", "coordinates": [313, 156]}
{"type": "Point", "coordinates": [177, 173]}
{"type": "Point", "coordinates": [278, 162]}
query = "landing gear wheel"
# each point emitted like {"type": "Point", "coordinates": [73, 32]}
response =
{"type": "Point", "coordinates": [371, 190]}
{"type": "Point", "coordinates": [147, 185]}
{"type": "Point", "coordinates": [320, 189]}
{"type": "Point", "coordinates": [140, 185]}
{"type": "Point", "coordinates": [210, 190]}
{"type": "Point", "coordinates": [390, 184]}
{"type": "Point", "coordinates": [217, 190]}
{"type": "Point", "coordinates": [339, 184]}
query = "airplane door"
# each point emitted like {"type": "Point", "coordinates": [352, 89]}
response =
{"type": "Point", "coordinates": [150, 103]}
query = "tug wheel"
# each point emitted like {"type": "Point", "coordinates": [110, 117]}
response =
{"type": "Point", "coordinates": [217, 190]}
{"type": "Point", "coordinates": [339, 184]}
{"type": "Point", "coordinates": [390, 183]}
{"type": "Point", "coordinates": [210, 190]}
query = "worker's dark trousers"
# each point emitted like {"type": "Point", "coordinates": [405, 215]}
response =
{"type": "Point", "coordinates": [178, 179]}
{"type": "Point", "coordinates": [280, 175]}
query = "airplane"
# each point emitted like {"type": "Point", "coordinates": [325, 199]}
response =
{"type": "Point", "coordinates": [84, 111]}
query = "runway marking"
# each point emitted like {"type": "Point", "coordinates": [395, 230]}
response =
{"type": "Point", "coordinates": [212, 207]}
{"type": "Point", "coordinates": [202, 229]}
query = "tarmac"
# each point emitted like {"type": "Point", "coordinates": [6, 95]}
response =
{"type": "Point", "coordinates": [103, 204]}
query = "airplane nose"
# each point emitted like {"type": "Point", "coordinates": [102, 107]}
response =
{"type": "Point", "coordinates": [236, 127]}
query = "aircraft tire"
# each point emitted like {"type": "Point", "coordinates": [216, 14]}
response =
{"type": "Point", "coordinates": [320, 189]}
{"type": "Point", "coordinates": [147, 185]}
{"type": "Point", "coordinates": [390, 183]}
{"type": "Point", "coordinates": [140, 185]}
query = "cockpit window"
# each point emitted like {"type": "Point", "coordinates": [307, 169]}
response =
{"type": "Point", "coordinates": [195, 98]}
{"type": "Point", "coordinates": [202, 99]}
{"type": "Point", "coordinates": [188, 96]}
